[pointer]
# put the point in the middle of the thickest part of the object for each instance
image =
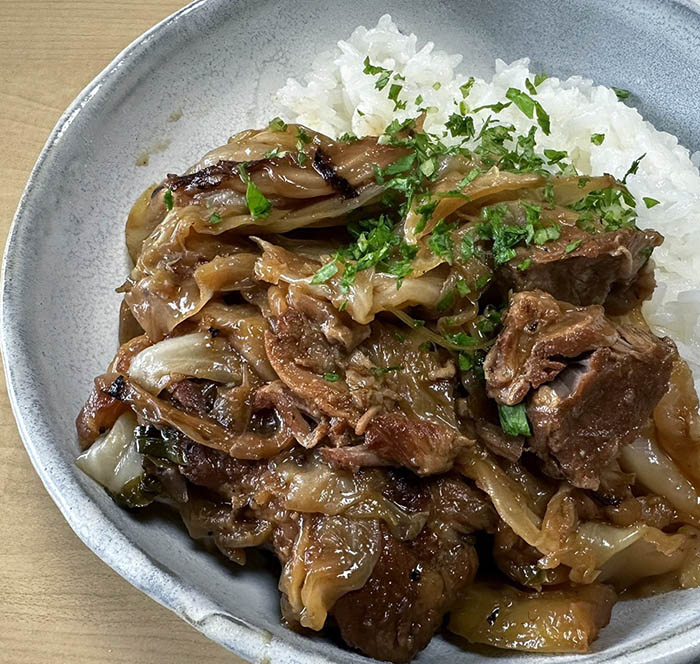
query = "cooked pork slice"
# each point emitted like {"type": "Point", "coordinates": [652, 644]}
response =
{"type": "Point", "coordinates": [582, 418]}
{"type": "Point", "coordinates": [608, 268]}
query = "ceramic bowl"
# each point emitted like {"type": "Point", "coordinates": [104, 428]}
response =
{"type": "Point", "coordinates": [218, 62]}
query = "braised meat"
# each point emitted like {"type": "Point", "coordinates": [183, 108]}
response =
{"type": "Point", "coordinates": [395, 614]}
{"type": "Point", "coordinates": [593, 407]}
{"type": "Point", "coordinates": [604, 268]}
{"type": "Point", "coordinates": [540, 334]}
{"type": "Point", "coordinates": [396, 439]}
{"type": "Point", "coordinates": [589, 382]}
{"type": "Point", "coordinates": [414, 583]}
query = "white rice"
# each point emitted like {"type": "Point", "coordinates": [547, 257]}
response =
{"type": "Point", "coordinates": [338, 97]}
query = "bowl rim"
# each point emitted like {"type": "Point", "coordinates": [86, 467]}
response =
{"type": "Point", "coordinates": [141, 570]}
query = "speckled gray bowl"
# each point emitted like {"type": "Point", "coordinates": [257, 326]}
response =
{"type": "Point", "coordinates": [219, 61]}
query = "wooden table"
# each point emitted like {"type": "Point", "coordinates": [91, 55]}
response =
{"type": "Point", "coordinates": [59, 602]}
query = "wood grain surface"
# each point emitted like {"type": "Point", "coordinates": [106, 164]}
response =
{"type": "Point", "coordinates": [58, 601]}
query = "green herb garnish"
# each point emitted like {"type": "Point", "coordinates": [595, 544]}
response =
{"type": "Point", "coordinates": [372, 70]}
{"type": "Point", "coordinates": [277, 124]}
{"type": "Point", "coordinates": [440, 240]}
{"type": "Point", "coordinates": [529, 106]}
{"type": "Point", "coordinates": [325, 273]}
{"type": "Point", "coordinates": [514, 420]}
{"type": "Point", "coordinates": [465, 88]}
{"type": "Point", "coordinates": [460, 125]}
{"type": "Point", "coordinates": [632, 170]}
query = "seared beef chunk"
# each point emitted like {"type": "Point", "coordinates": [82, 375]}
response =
{"type": "Point", "coordinates": [596, 381]}
{"type": "Point", "coordinates": [405, 411]}
{"type": "Point", "coordinates": [539, 335]}
{"type": "Point", "coordinates": [582, 418]}
{"type": "Point", "coordinates": [605, 268]}
{"type": "Point", "coordinates": [414, 583]}
{"type": "Point", "coordinates": [301, 355]}
{"type": "Point", "coordinates": [395, 614]}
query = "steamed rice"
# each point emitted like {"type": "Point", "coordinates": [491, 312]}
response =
{"type": "Point", "coordinates": [337, 97]}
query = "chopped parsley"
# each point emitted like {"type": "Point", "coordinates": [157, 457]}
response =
{"type": "Point", "coordinates": [325, 273]}
{"type": "Point", "coordinates": [547, 233]}
{"type": "Point", "coordinates": [465, 361]}
{"type": "Point", "coordinates": [331, 377]}
{"type": "Point", "coordinates": [514, 420]}
{"type": "Point", "coordinates": [613, 206]}
{"type": "Point", "coordinates": [377, 244]}
{"type": "Point", "coordinates": [460, 125]}
{"type": "Point", "coordinates": [490, 321]}
{"type": "Point", "coordinates": [529, 106]}
{"type": "Point", "coordinates": [277, 124]}
{"type": "Point", "coordinates": [540, 78]}
{"type": "Point", "coordinates": [399, 166]}
{"type": "Point", "coordinates": [347, 138]}
{"type": "Point", "coordinates": [505, 236]}
{"type": "Point", "coordinates": [258, 206]}
{"type": "Point", "coordinates": [303, 139]}
{"type": "Point", "coordinates": [381, 371]}
{"type": "Point", "coordinates": [621, 93]}
{"type": "Point", "coordinates": [573, 246]}
{"type": "Point", "coordinates": [650, 202]}
{"type": "Point", "coordinates": [425, 211]}
{"type": "Point", "coordinates": [597, 139]}
{"type": "Point", "coordinates": [462, 287]}
{"type": "Point", "coordinates": [373, 70]}
{"type": "Point", "coordinates": [275, 153]}
{"type": "Point", "coordinates": [465, 88]}
{"type": "Point", "coordinates": [440, 240]}
{"type": "Point", "coordinates": [549, 192]}
{"type": "Point", "coordinates": [469, 177]}
{"type": "Point", "coordinates": [462, 339]}
{"type": "Point", "coordinates": [632, 170]}
{"type": "Point", "coordinates": [496, 108]}
{"type": "Point", "coordinates": [215, 218]}
{"type": "Point", "coordinates": [555, 156]}
{"type": "Point", "coordinates": [446, 301]}
{"type": "Point", "coordinates": [394, 92]}
{"type": "Point", "coordinates": [168, 199]}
